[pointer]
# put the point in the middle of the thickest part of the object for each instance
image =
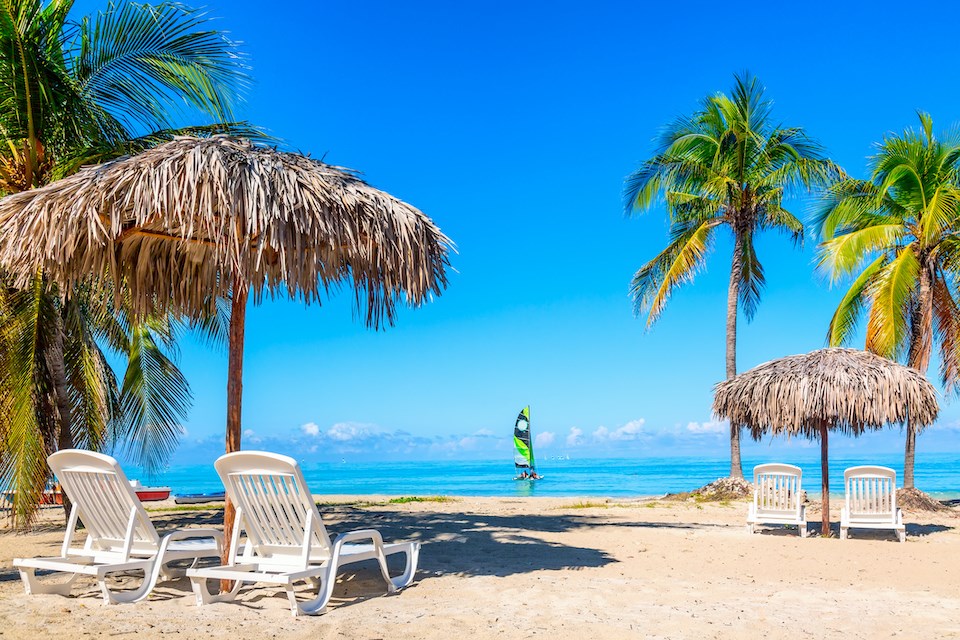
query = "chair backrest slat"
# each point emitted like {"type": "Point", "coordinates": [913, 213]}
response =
{"type": "Point", "coordinates": [104, 498]}
{"type": "Point", "coordinates": [275, 499]}
{"type": "Point", "coordinates": [777, 487]}
{"type": "Point", "coordinates": [871, 491]}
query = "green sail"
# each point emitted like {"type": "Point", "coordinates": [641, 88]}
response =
{"type": "Point", "coordinates": [523, 458]}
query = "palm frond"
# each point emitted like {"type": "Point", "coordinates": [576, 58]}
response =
{"type": "Point", "coordinates": [678, 263]}
{"type": "Point", "coordinates": [30, 427]}
{"type": "Point", "coordinates": [844, 254]}
{"type": "Point", "coordinates": [946, 317]}
{"type": "Point", "coordinates": [845, 318]}
{"type": "Point", "coordinates": [752, 279]}
{"type": "Point", "coordinates": [142, 63]}
{"type": "Point", "coordinates": [154, 401]}
{"type": "Point", "coordinates": [890, 292]}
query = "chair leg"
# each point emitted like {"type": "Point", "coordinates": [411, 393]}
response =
{"type": "Point", "coordinates": [33, 586]}
{"type": "Point", "coordinates": [319, 604]}
{"type": "Point", "coordinates": [843, 533]}
{"type": "Point", "coordinates": [412, 551]}
{"type": "Point", "coordinates": [203, 595]}
{"type": "Point", "coordinates": [803, 530]}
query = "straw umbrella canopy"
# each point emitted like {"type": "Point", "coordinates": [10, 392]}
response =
{"type": "Point", "coordinates": [193, 220]}
{"type": "Point", "coordinates": [842, 390]}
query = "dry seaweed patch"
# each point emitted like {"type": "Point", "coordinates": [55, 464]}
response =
{"type": "Point", "coordinates": [722, 490]}
{"type": "Point", "coordinates": [916, 500]}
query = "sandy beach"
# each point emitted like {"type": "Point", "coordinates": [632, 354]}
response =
{"type": "Point", "coordinates": [551, 567]}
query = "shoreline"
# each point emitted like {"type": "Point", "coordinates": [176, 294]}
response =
{"type": "Point", "coordinates": [620, 568]}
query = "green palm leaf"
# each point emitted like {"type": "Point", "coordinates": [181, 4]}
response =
{"type": "Point", "coordinates": [142, 62]}
{"type": "Point", "coordinates": [891, 289]}
{"type": "Point", "coordinates": [154, 402]}
{"type": "Point", "coordinates": [678, 263]}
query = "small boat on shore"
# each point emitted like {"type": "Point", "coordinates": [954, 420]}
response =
{"type": "Point", "coordinates": [199, 498]}
{"type": "Point", "coordinates": [149, 494]}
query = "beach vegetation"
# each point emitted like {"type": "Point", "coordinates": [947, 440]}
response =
{"type": "Point", "coordinates": [594, 504]}
{"type": "Point", "coordinates": [897, 234]}
{"type": "Point", "coordinates": [180, 508]}
{"type": "Point", "coordinates": [76, 92]}
{"type": "Point", "coordinates": [407, 499]}
{"type": "Point", "coordinates": [727, 167]}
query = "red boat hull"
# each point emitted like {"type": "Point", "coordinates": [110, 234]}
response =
{"type": "Point", "coordinates": [152, 494]}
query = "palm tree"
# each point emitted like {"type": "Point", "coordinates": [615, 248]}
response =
{"type": "Point", "coordinates": [72, 93]}
{"type": "Point", "coordinates": [901, 231]}
{"type": "Point", "coordinates": [726, 166]}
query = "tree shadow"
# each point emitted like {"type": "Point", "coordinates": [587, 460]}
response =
{"type": "Point", "coordinates": [913, 530]}
{"type": "Point", "coordinates": [467, 544]}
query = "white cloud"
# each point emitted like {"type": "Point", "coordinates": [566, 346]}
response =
{"type": "Point", "coordinates": [347, 431]}
{"type": "Point", "coordinates": [575, 436]}
{"type": "Point", "coordinates": [708, 427]}
{"type": "Point", "coordinates": [601, 433]}
{"type": "Point", "coordinates": [630, 431]}
{"type": "Point", "coordinates": [945, 426]}
{"type": "Point", "coordinates": [484, 433]}
{"type": "Point", "coordinates": [545, 439]}
{"type": "Point", "coordinates": [310, 429]}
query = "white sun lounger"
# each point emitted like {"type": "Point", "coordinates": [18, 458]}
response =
{"type": "Point", "coordinates": [120, 536]}
{"type": "Point", "coordinates": [286, 541]}
{"type": "Point", "coordinates": [871, 501]}
{"type": "Point", "coordinates": [777, 497]}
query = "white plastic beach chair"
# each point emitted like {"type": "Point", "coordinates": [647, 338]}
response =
{"type": "Point", "coordinates": [286, 541]}
{"type": "Point", "coordinates": [777, 497]}
{"type": "Point", "coordinates": [120, 536]}
{"type": "Point", "coordinates": [871, 501]}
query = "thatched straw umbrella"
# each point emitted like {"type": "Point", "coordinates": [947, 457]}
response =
{"type": "Point", "coordinates": [842, 390]}
{"type": "Point", "coordinates": [195, 219]}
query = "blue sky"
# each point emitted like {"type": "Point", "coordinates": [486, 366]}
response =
{"type": "Point", "coordinates": [513, 126]}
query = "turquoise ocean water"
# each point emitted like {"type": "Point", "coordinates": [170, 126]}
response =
{"type": "Point", "coordinates": [937, 474]}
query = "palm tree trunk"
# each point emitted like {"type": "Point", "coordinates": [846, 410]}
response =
{"type": "Point", "coordinates": [58, 372]}
{"type": "Point", "coordinates": [238, 311]}
{"type": "Point", "coordinates": [733, 293]}
{"type": "Point", "coordinates": [921, 345]}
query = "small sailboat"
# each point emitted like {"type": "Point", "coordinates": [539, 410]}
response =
{"type": "Point", "coordinates": [523, 458]}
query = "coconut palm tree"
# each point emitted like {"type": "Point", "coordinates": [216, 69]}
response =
{"type": "Point", "coordinates": [728, 166]}
{"type": "Point", "coordinates": [899, 232]}
{"type": "Point", "coordinates": [72, 93]}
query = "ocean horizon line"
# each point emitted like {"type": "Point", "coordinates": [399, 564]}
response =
{"type": "Point", "coordinates": [936, 474]}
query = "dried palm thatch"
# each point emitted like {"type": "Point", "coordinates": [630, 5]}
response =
{"type": "Point", "coordinates": [181, 222]}
{"type": "Point", "coordinates": [842, 390]}
{"type": "Point", "coordinates": [849, 389]}
{"type": "Point", "coordinates": [195, 219]}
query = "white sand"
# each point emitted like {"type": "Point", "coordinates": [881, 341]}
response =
{"type": "Point", "coordinates": [535, 567]}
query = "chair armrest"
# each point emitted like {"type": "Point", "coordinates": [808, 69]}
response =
{"type": "Point", "coordinates": [183, 534]}
{"type": "Point", "coordinates": [360, 534]}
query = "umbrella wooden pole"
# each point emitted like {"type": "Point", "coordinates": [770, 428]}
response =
{"type": "Point", "coordinates": [238, 315]}
{"type": "Point", "coordinates": [825, 479]}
